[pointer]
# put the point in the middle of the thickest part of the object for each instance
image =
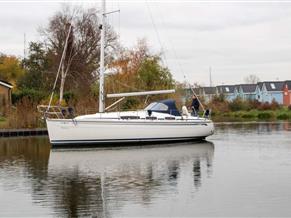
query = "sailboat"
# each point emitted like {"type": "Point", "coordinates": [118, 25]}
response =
{"type": "Point", "coordinates": [158, 122]}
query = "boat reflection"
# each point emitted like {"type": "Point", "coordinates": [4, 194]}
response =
{"type": "Point", "coordinates": [97, 182]}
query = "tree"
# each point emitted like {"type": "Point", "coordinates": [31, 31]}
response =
{"type": "Point", "coordinates": [252, 79]}
{"type": "Point", "coordinates": [10, 68]}
{"type": "Point", "coordinates": [138, 69]}
{"type": "Point", "coordinates": [36, 65]}
{"type": "Point", "coordinates": [152, 76]}
{"type": "Point", "coordinates": [83, 50]}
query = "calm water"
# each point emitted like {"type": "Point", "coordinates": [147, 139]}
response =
{"type": "Point", "coordinates": [243, 170]}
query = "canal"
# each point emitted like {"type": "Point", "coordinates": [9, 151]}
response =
{"type": "Point", "coordinates": [242, 170]}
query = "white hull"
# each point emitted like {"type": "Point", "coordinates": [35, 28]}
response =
{"type": "Point", "coordinates": [68, 131]}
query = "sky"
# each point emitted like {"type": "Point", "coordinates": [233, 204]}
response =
{"type": "Point", "coordinates": [233, 38]}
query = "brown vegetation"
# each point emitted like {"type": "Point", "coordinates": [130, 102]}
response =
{"type": "Point", "coordinates": [23, 115]}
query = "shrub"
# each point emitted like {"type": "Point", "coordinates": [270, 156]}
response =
{"type": "Point", "coordinates": [254, 104]}
{"type": "Point", "coordinates": [283, 116]}
{"type": "Point", "coordinates": [130, 103]}
{"type": "Point", "coordinates": [265, 115]}
{"type": "Point", "coordinates": [269, 106]}
{"type": "Point", "coordinates": [69, 97]}
{"type": "Point", "coordinates": [239, 105]}
{"type": "Point", "coordinates": [289, 107]}
{"type": "Point", "coordinates": [24, 115]}
{"type": "Point", "coordinates": [249, 115]}
{"type": "Point", "coordinates": [219, 107]}
{"type": "Point", "coordinates": [213, 113]}
{"type": "Point", "coordinates": [237, 114]}
{"type": "Point", "coordinates": [219, 98]}
{"type": "Point", "coordinates": [274, 105]}
{"type": "Point", "coordinates": [218, 104]}
{"type": "Point", "coordinates": [30, 94]}
{"type": "Point", "coordinates": [86, 105]}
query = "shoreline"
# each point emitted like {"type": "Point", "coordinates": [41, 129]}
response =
{"type": "Point", "coordinates": [22, 132]}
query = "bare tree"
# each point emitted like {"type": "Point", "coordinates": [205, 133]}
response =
{"type": "Point", "coordinates": [81, 63]}
{"type": "Point", "coordinates": [252, 79]}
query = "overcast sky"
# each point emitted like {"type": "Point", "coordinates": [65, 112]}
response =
{"type": "Point", "coordinates": [234, 38]}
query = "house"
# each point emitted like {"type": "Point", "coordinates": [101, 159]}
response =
{"type": "Point", "coordinates": [287, 93]}
{"type": "Point", "coordinates": [247, 91]}
{"type": "Point", "coordinates": [228, 91]}
{"type": "Point", "coordinates": [272, 90]}
{"type": "Point", "coordinates": [5, 93]}
{"type": "Point", "coordinates": [189, 93]}
{"type": "Point", "coordinates": [236, 91]}
{"type": "Point", "coordinates": [208, 93]}
{"type": "Point", "coordinates": [262, 91]}
{"type": "Point", "coordinates": [259, 91]}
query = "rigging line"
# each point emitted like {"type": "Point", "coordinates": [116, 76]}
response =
{"type": "Point", "coordinates": [60, 65]}
{"type": "Point", "coordinates": [118, 5]}
{"type": "Point", "coordinates": [172, 46]}
{"type": "Point", "coordinates": [157, 32]}
{"type": "Point", "coordinates": [178, 62]}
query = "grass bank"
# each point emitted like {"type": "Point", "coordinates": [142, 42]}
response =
{"type": "Point", "coordinates": [3, 122]}
{"type": "Point", "coordinates": [31, 119]}
{"type": "Point", "coordinates": [252, 115]}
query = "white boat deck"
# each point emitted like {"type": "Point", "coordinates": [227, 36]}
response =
{"type": "Point", "coordinates": [136, 115]}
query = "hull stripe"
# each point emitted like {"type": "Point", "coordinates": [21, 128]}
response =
{"type": "Point", "coordinates": [55, 142]}
{"type": "Point", "coordinates": [75, 123]}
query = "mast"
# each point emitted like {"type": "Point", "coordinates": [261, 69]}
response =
{"type": "Point", "coordinates": [102, 45]}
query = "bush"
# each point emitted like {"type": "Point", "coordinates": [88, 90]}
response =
{"type": "Point", "coordinates": [266, 115]}
{"type": "Point", "coordinates": [249, 115]}
{"type": "Point", "coordinates": [130, 103]}
{"type": "Point", "coordinates": [254, 104]}
{"type": "Point", "coordinates": [69, 97]}
{"type": "Point", "coordinates": [219, 107]}
{"type": "Point", "coordinates": [30, 94]}
{"type": "Point", "coordinates": [289, 107]}
{"type": "Point", "coordinates": [24, 115]}
{"type": "Point", "coordinates": [219, 98]}
{"type": "Point", "coordinates": [274, 105]}
{"type": "Point", "coordinates": [269, 106]}
{"type": "Point", "coordinates": [283, 116]}
{"type": "Point", "coordinates": [239, 105]}
{"type": "Point", "coordinates": [237, 114]}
